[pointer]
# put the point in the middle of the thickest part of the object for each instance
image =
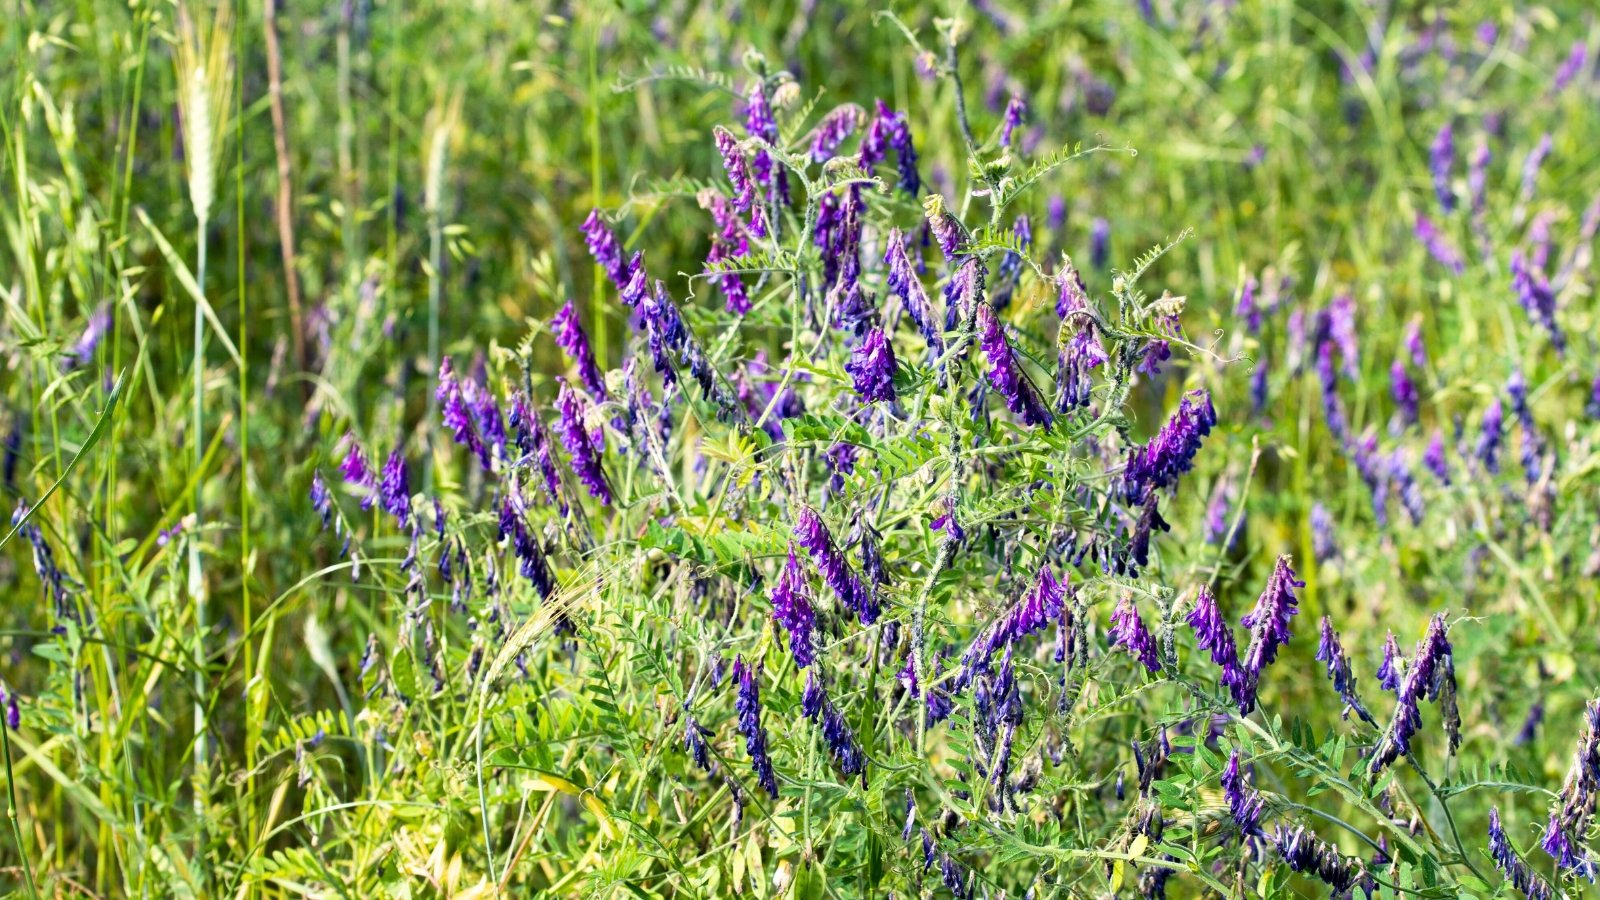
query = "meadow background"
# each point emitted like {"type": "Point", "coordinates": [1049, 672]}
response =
{"type": "Point", "coordinates": [189, 647]}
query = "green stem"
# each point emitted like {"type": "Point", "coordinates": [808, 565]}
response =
{"type": "Point", "coordinates": [11, 812]}
{"type": "Point", "coordinates": [196, 577]}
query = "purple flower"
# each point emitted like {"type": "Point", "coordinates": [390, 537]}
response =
{"type": "Point", "coordinates": [1171, 452]}
{"type": "Point", "coordinates": [737, 167]}
{"type": "Point", "coordinates": [1056, 212]}
{"type": "Point", "coordinates": [1570, 817]}
{"type": "Point", "coordinates": [605, 249]}
{"type": "Point", "coordinates": [1433, 458]}
{"type": "Point", "coordinates": [1510, 864]}
{"type": "Point", "coordinates": [1083, 351]}
{"type": "Point", "coordinates": [1269, 627]}
{"type": "Point", "coordinates": [530, 556]}
{"type": "Point", "coordinates": [637, 286]}
{"type": "Point", "coordinates": [1100, 243]}
{"type": "Point", "coordinates": [395, 488]}
{"type": "Point", "coordinates": [759, 122]}
{"type": "Point", "coordinates": [1441, 157]}
{"type": "Point", "coordinates": [458, 419]}
{"type": "Point", "coordinates": [1006, 375]}
{"type": "Point", "coordinates": [1244, 804]}
{"type": "Point", "coordinates": [813, 535]}
{"type": "Point", "coordinates": [1488, 449]}
{"type": "Point", "coordinates": [816, 706]}
{"type": "Point", "coordinates": [791, 608]}
{"type": "Point", "coordinates": [571, 338]}
{"type": "Point", "coordinates": [1331, 652]}
{"type": "Point", "coordinates": [1413, 344]}
{"type": "Point", "coordinates": [1432, 676]}
{"type": "Point", "coordinates": [94, 330]}
{"type": "Point", "coordinates": [1388, 672]}
{"type": "Point", "coordinates": [13, 708]}
{"type": "Point", "coordinates": [54, 581]}
{"type": "Point", "coordinates": [1128, 632]}
{"type": "Point", "coordinates": [872, 366]}
{"type": "Point", "coordinates": [357, 472]}
{"type": "Point", "coordinates": [1246, 308]}
{"type": "Point", "coordinates": [533, 442]}
{"type": "Point", "coordinates": [1016, 111]}
{"type": "Point", "coordinates": [946, 230]}
{"type": "Point", "coordinates": [321, 500]}
{"type": "Point", "coordinates": [748, 705]}
{"type": "Point", "coordinates": [1574, 63]}
{"type": "Point", "coordinates": [1537, 298]}
{"type": "Point", "coordinates": [1438, 245]}
{"type": "Point", "coordinates": [1322, 542]}
{"type": "Point", "coordinates": [580, 444]}
{"type": "Point", "coordinates": [1531, 165]}
{"type": "Point", "coordinates": [694, 742]}
{"type": "Point", "coordinates": [1304, 853]}
{"type": "Point", "coordinates": [903, 282]}
{"type": "Point", "coordinates": [1040, 606]}
{"type": "Point", "coordinates": [833, 129]}
{"type": "Point", "coordinates": [1213, 634]}
{"type": "Point", "coordinates": [1593, 406]}
{"type": "Point", "coordinates": [841, 461]}
{"type": "Point", "coordinates": [1404, 392]}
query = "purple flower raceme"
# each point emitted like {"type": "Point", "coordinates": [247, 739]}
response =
{"type": "Point", "coordinates": [1511, 864]}
{"type": "Point", "coordinates": [1434, 459]}
{"type": "Point", "coordinates": [357, 472]}
{"type": "Point", "coordinates": [1213, 634]}
{"type": "Point", "coordinates": [57, 587]}
{"type": "Point", "coordinates": [605, 249]}
{"type": "Point", "coordinates": [1269, 628]}
{"type": "Point", "coordinates": [812, 534]}
{"type": "Point", "coordinates": [815, 705]}
{"type": "Point", "coordinates": [321, 499]}
{"type": "Point", "coordinates": [694, 742]}
{"type": "Point", "coordinates": [1438, 246]}
{"type": "Point", "coordinates": [571, 338]}
{"type": "Point", "coordinates": [759, 122]}
{"type": "Point", "coordinates": [738, 169]}
{"type": "Point", "coordinates": [1005, 373]}
{"type": "Point", "coordinates": [1441, 157]}
{"type": "Point", "coordinates": [946, 230]}
{"type": "Point", "coordinates": [1016, 111]}
{"type": "Point", "coordinates": [94, 331]}
{"type": "Point", "coordinates": [1414, 346]}
{"type": "Point", "coordinates": [1537, 298]}
{"type": "Point", "coordinates": [1304, 853]}
{"type": "Point", "coordinates": [902, 281]}
{"type": "Point", "coordinates": [1404, 392]}
{"type": "Point", "coordinates": [1576, 59]}
{"type": "Point", "coordinates": [1571, 814]}
{"type": "Point", "coordinates": [1128, 631]}
{"type": "Point", "coordinates": [791, 608]}
{"type": "Point", "coordinates": [1171, 452]}
{"type": "Point", "coordinates": [833, 129]}
{"type": "Point", "coordinates": [1244, 804]}
{"type": "Point", "coordinates": [872, 367]}
{"type": "Point", "coordinates": [1431, 675]}
{"type": "Point", "coordinates": [1331, 652]}
{"type": "Point", "coordinates": [1323, 545]}
{"type": "Point", "coordinates": [531, 561]}
{"type": "Point", "coordinates": [1078, 348]}
{"type": "Point", "coordinates": [580, 444]}
{"type": "Point", "coordinates": [1040, 606]}
{"type": "Point", "coordinates": [458, 415]}
{"type": "Point", "coordinates": [1245, 308]}
{"type": "Point", "coordinates": [1388, 673]}
{"type": "Point", "coordinates": [748, 705]}
{"type": "Point", "coordinates": [1488, 448]}
{"type": "Point", "coordinates": [533, 442]}
{"type": "Point", "coordinates": [1100, 243]}
{"type": "Point", "coordinates": [1531, 166]}
{"type": "Point", "coordinates": [394, 488]}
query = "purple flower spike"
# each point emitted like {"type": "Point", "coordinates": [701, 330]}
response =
{"type": "Point", "coordinates": [1441, 157]}
{"type": "Point", "coordinates": [738, 169]}
{"type": "Point", "coordinates": [1128, 632]}
{"type": "Point", "coordinates": [1322, 541]}
{"type": "Point", "coordinates": [1213, 634]}
{"type": "Point", "coordinates": [1016, 111]}
{"type": "Point", "coordinates": [903, 283]}
{"type": "Point", "coordinates": [1269, 627]}
{"type": "Point", "coordinates": [1404, 392]}
{"type": "Point", "coordinates": [580, 444]}
{"type": "Point", "coordinates": [395, 488]}
{"type": "Point", "coordinates": [572, 339]}
{"type": "Point", "coordinates": [1573, 811]}
{"type": "Point", "coordinates": [872, 366]}
{"type": "Point", "coordinates": [605, 249]}
{"type": "Point", "coordinates": [1389, 673]}
{"type": "Point", "coordinates": [321, 499]}
{"type": "Point", "coordinates": [816, 706]}
{"type": "Point", "coordinates": [1039, 607]}
{"type": "Point", "coordinates": [1488, 449]}
{"type": "Point", "coordinates": [748, 706]}
{"type": "Point", "coordinates": [457, 414]}
{"type": "Point", "coordinates": [1304, 853]}
{"type": "Point", "coordinates": [1244, 804]}
{"type": "Point", "coordinates": [1331, 652]}
{"type": "Point", "coordinates": [1100, 243]}
{"type": "Point", "coordinates": [1006, 375]}
{"type": "Point", "coordinates": [791, 608]}
{"type": "Point", "coordinates": [813, 535]}
{"type": "Point", "coordinates": [833, 129]}
{"type": "Point", "coordinates": [1438, 245]}
{"type": "Point", "coordinates": [1434, 459]}
{"type": "Point", "coordinates": [1510, 864]}
{"type": "Point", "coordinates": [1159, 463]}
{"type": "Point", "coordinates": [1574, 63]}
{"type": "Point", "coordinates": [1431, 675]}
{"type": "Point", "coordinates": [357, 472]}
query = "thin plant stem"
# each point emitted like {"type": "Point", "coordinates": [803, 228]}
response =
{"type": "Point", "coordinates": [11, 812]}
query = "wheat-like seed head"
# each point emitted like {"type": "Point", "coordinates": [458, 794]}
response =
{"type": "Point", "coordinates": [204, 62]}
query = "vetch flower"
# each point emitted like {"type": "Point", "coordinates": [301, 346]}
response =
{"type": "Point", "coordinates": [1016, 111]}
{"type": "Point", "coordinates": [1269, 627]}
{"type": "Point", "coordinates": [791, 608]}
{"type": "Point", "coordinates": [457, 416]}
{"type": "Point", "coordinates": [321, 499]}
{"type": "Point", "coordinates": [55, 582]}
{"type": "Point", "coordinates": [1322, 542]}
{"type": "Point", "coordinates": [1304, 853]}
{"type": "Point", "coordinates": [357, 472]}
{"type": "Point", "coordinates": [1006, 374]}
{"type": "Point", "coordinates": [748, 705]}
{"type": "Point", "coordinates": [1570, 816]}
{"type": "Point", "coordinates": [1431, 675]}
{"type": "Point", "coordinates": [872, 366]}
{"type": "Point", "coordinates": [902, 281]}
{"type": "Point", "coordinates": [395, 488]}
{"type": "Point", "coordinates": [813, 535]}
{"type": "Point", "coordinates": [605, 249]}
{"type": "Point", "coordinates": [1213, 634]}
{"type": "Point", "coordinates": [1099, 243]}
{"type": "Point", "coordinates": [1488, 448]}
{"type": "Point", "coordinates": [694, 741]}
{"type": "Point", "coordinates": [1433, 458]}
{"type": "Point", "coordinates": [946, 230]}
{"type": "Point", "coordinates": [1441, 156]}
{"type": "Point", "coordinates": [816, 706]}
{"type": "Point", "coordinates": [1517, 871]}
{"type": "Point", "coordinates": [1438, 245]}
{"type": "Point", "coordinates": [1331, 652]}
{"type": "Point", "coordinates": [572, 339]}
{"type": "Point", "coordinates": [738, 169]}
{"type": "Point", "coordinates": [1244, 804]}
{"type": "Point", "coordinates": [1042, 604]}
{"type": "Point", "coordinates": [580, 444]}
{"type": "Point", "coordinates": [1403, 391]}
{"type": "Point", "coordinates": [1388, 673]}
{"type": "Point", "coordinates": [1128, 631]}
{"type": "Point", "coordinates": [1171, 452]}
{"type": "Point", "coordinates": [833, 129]}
